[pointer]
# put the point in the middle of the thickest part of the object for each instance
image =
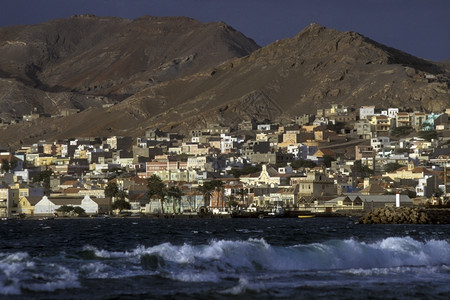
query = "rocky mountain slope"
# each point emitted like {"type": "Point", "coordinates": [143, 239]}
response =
{"type": "Point", "coordinates": [86, 61]}
{"type": "Point", "coordinates": [317, 67]}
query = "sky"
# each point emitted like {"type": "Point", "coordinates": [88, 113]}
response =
{"type": "Point", "coordinates": [418, 27]}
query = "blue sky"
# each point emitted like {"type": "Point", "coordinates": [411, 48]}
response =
{"type": "Point", "coordinates": [419, 27]}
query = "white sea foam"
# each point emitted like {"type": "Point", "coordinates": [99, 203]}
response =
{"type": "Point", "coordinates": [11, 269]}
{"type": "Point", "coordinates": [243, 286]}
{"type": "Point", "coordinates": [59, 278]}
{"type": "Point", "coordinates": [194, 276]}
{"type": "Point", "coordinates": [423, 270]}
{"type": "Point", "coordinates": [13, 257]}
{"type": "Point", "coordinates": [254, 254]}
{"type": "Point", "coordinates": [96, 270]}
{"type": "Point", "coordinates": [226, 259]}
{"type": "Point", "coordinates": [19, 271]}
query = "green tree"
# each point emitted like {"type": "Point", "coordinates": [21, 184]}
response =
{"type": "Point", "coordinates": [401, 131]}
{"type": "Point", "coordinates": [156, 187]}
{"type": "Point", "coordinates": [411, 194]}
{"type": "Point", "coordinates": [327, 159]}
{"type": "Point", "coordinates": [111, 190]}
{"type": "Point", "coordinates": [206, 190]}
{"type": "Point", "coordinates": [65, 209]}
{"type": "Point", "coordinates": [361, 170]}
{"type": "Point", "coordinates": [218, 186]}
{"type": "Point", "coordinates": [428, 135]}
{"type": "Point", "coordinates": [302, 163]}
{"type": "Point", "coordinates": [243, 193]}
{"type": "Point", "coordinates": [44, 178]}
{"type": "Point", "coordinates": [121, 204]}
{"type": "Point", "coordinates": [174, 193]}
{"type": "Point", "coordinates": [391, 167]}
{"type": "Point", "coordinates": [246, 169]}
{"type": "Point", "coordinates": [79, 211]}
{"type": "Point", "coordinates": [121, 195]}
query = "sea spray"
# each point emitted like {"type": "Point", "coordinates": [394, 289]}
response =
{"type": "Point", "coordinates": [286, 258]}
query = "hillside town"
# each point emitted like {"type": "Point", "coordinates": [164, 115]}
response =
{"type": "Point", "coordinates": [338, 160]}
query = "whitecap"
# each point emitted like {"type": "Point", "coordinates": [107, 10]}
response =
{"type": "Point", "coordinates": [61, 278]}
{"type": "Point", "coordinates": [242, 287]}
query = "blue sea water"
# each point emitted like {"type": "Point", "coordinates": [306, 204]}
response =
{"type": "Point", "coordinates": [331, 258]}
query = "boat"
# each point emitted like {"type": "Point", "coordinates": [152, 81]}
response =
{"type": "Point", "coordinates": [277, 211]}
{"type": "Point", "coordinates": [305, 216]}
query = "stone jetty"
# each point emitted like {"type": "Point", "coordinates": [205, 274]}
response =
{"type": "Point", "coordinates": [406, 215]}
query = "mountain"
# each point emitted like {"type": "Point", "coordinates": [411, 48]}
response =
{"type": "Point", "coordinates": [86, 61]}
{"type": "Point", "coordinates": [314, 69]}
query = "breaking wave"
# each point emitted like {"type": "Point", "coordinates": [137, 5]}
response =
{"type": "Point", "coordinates": [219, 259]}
{"type": "Point", "coordinates": [257, 254]}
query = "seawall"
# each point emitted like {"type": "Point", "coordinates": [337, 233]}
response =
{"type": "Point", "coordinates": [406, 215]}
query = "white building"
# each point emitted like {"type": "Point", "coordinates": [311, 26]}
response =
{"type": "Point", "coordinates": [365, 111]}
{"type": "Point", "coordinates": [392, 113]}
{"type": "Point", "coordinates": [48, 206]}
{"type": "Point", "coordinates": [378, 143]}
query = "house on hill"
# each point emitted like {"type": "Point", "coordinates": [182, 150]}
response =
{"type": "Point", "coordinates": [268, 176]}
{"type": "Point", "coordinates": [321, 153]}
{"type": "Point", "coordinates": [410, 172]}
{"type": "Point", "coordinates": [13, 163]}
{"type": "Point", "coordinates": [373, 189]}
{"type": "Point", "coordinates": [314, 184]}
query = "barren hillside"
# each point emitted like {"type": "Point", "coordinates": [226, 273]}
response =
{"type": "Point", "coordinates": [317, 67]}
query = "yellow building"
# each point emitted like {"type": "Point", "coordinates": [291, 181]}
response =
{"type": "Point", "coordinates": [44, 161]}
{"type": "Point", "coordinates": [26, 205]}
{"type": "Point", "coordinates": [410, 172]}
{"type": "Point", "coordinates": [290, 138]}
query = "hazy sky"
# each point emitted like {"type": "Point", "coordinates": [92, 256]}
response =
{"type": "Point", "coordinates": [419, 27]}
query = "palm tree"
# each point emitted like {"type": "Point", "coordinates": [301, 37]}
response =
{"type": "Point", "coordinates": [243, 192]}
{"type": "Point", "coordinates": [111, 191]}
{"type": "Point", "coordinates": [218, 187]}
{"type": "Point", "coordinates": [156, 187]}
{"type": "Point", "coordinates": [206, 190]}
{"type": "Point", "coordinates": [174, 193]}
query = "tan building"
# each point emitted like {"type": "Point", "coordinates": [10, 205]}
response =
{"type": "Point", "coordinates": [410, 172]}
{"type": "Point", "coordinates": [26, 205]}
{"type": "Point", "coordinates": [314, 184]}
{"type": "Point", "coordinates": [380, 125]}
{"type": "Point", "coordinates": [290, 138]}
{"type": "Point", "coordinates": [166, 165]}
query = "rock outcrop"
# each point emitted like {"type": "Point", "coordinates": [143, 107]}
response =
{"type": "Point", "coordinates": [406, 215]}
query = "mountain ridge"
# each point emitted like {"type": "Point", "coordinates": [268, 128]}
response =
{"type": "Point", "coordinates": [311, 70]}
{"type": "Point", "coordinates": [113, 57]}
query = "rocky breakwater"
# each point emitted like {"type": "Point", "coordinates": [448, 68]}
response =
{"type": "Point", "coordinates": [406, 215]}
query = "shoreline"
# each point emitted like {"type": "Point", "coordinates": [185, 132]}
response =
{"type": "Point", "coordinates": [386, 215]}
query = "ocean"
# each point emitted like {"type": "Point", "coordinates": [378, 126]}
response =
{"type": "Point", "coordinates": [331, 258]}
